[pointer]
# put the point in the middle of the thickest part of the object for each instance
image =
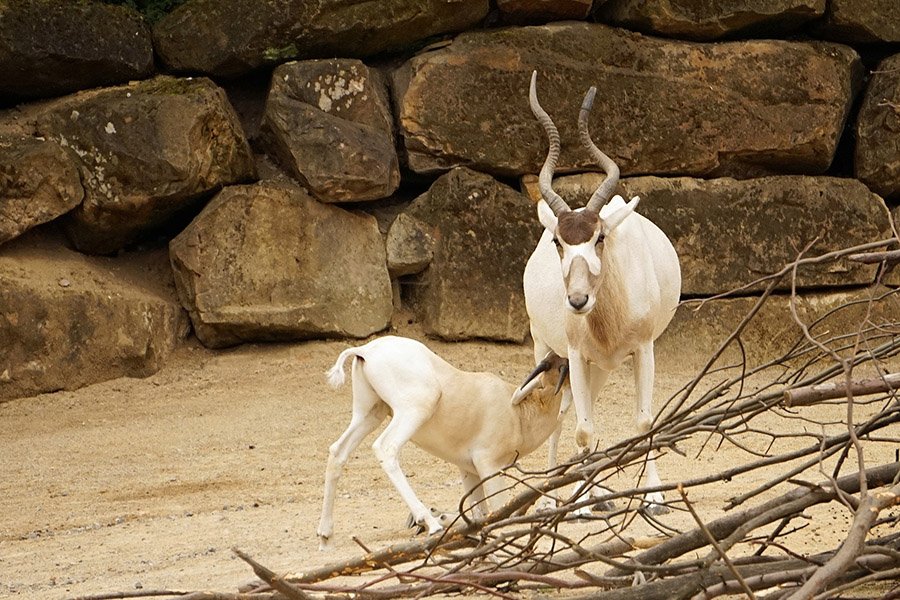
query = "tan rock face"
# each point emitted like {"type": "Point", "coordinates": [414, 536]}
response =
{"type": "Point", "coordinates": [147, 150]}
{"type": "Point", "coordinates": [662, 106]}
{"type": "Point", "coordinates": [542, 11]}
{"type": "Point", "coordinates": [49, 48]}
{"type": "Point", "coordinates": [328, 123]}
{"type": "Point", "coordinates": [863, 21]}
{"type": "Point", "coordinates": [272, 31]}
{"type": "Point", "coordinates": [877, 160]}
{"type": "Point", "coordinates": [704, 20]}
{"type": "Point", "coordinates": [67, 320]}
{"type": "Point", "coordinates": [483, 233]}
{"type": "Point", "coordinates": [268, 262]}
{"type": "Point", "coordinates": [729, 233]}
{"type": "Point", "coordinates": [39, 181]}
{"type": "Point", "coordinates": [409, 245]}
{"type": "Point", "coordinates": [701, 329]}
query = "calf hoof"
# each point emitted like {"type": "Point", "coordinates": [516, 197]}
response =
{"type": "Point", "coordinates": [446, 519]}
{"type": "Point", "coordinates": [432, 525]}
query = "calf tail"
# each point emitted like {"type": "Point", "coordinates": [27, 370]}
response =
{"type": "Point", "coordinates": [336, 376]}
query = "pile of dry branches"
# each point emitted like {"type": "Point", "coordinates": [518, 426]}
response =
{"type": "Point", "coordinates": [844, 463]}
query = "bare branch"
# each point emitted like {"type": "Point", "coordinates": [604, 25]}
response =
{"type": "Point", "coordinates": [813, 394]}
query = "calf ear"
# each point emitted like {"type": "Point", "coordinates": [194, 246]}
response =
{"type": "Point", "coordinates": [612, 221]}
{"type": "Point", "coordinates": [522, 392]}
{"type": "Point", "coordinates": [530, 383]}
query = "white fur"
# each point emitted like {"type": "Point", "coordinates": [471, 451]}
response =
{"type": "Point", "coordinates": [640, 291]}
{"type": "Point", "coordinates": [465, 418]}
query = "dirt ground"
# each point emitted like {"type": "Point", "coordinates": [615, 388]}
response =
{"type": "Point", "coordinates": [148, 483]}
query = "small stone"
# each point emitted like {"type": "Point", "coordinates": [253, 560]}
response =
{"type": "Point", "coordinates": [64, 282]}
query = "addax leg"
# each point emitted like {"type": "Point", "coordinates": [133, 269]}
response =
{"type": "Point", "coordinates": [644, 372]}
{"type": "Point", "coordinates": [599, 378]}
{"type": "Point", "coordinates": [580, 380]}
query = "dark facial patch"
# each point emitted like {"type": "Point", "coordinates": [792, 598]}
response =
{"type": "Point", "coordinates": [577, 227]}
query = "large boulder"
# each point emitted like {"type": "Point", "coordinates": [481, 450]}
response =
{"type": "Point", "coordinates": [877, 160]}
{"type": "Point", "coordinates": [267, 262]}
{"type": "Point", "coordinates": [892, 277]}
{"type": "Point", "coordinates": [206, 36]}
{"type": "Point", "coordinates": [68, 320]}
{"type": "Point", "coordinates": [699, 328]}
{"type": "Point", "coordinates": [39, 181]}
{"type": "Point", "coordinates": [409, 245]}
{"type": "Point", "coordinates": [542, 11]}
{"type": "Point", "coordinates": [855, 21]}
{"type": "Point", "coordinates": [148, 150]}
{"type": "Point", "coordinates": [48, 48]}
{"type": "Point", "coordinates": [729, 233]}
{"type": "Point", "coordinates": [704, 20]}
{"type": "Point", "coordinates": [480, 233]}
{"type": "Point", "coordinates": [329, 124]}
{"type": "Point", "coordinates": [738, 108]}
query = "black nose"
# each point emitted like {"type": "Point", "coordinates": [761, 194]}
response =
{"type": "Point", "coordinates": [578, 301]}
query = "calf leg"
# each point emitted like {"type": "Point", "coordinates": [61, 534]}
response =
{"type": "Point", "coordinates": [472, 488]}
{"type": "Point", "coordinates": [361, 425]}
{"type": "Point", "coordinates": [548, 502]}
{"type": "Point", "coordinates": [493, 488]}
{"type": "Point", "coordinates": [387, 447]}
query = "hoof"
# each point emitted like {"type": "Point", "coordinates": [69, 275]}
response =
{"type": "Point", "coordinates": [582, 513]}
{"type": "Point", "coordinates": [446, 519]}
{"type": "Point", "coordinates": [545, 505]}
{"type": "Point", "coordinates": [324, 543]}
{"type": "Point", "coordinates": [654, 505]}
{"type": "Point", "coordinates": [421, 526]}
{"type": "Point", "coordinates": [653, 509]}
{"type": "Point", "coordinates": [603, 506]}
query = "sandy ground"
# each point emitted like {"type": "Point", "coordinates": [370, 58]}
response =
{"type": "Point", "coordinates": [148, 484]}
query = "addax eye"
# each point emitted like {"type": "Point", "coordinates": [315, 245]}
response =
{"type": "Point", "coordinates": [600, 239]}
{"type": "Point", "coordinates": [556, 242]}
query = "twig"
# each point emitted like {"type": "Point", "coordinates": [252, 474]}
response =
{"type": "Point", "coordinates": [276, 581]}
{"type": "Point", "coordinates": [870, 506]}
{"type": "Point", "coordinates": [715, 544]}
{"type": "Point", "coordinates": [792, 502]}
{"type": "Point", "coordinates": [131, 594]}
{"type": "Point", "coordinates": [889, 256]}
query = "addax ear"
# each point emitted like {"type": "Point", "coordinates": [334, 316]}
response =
{"type": "Point", "coordinates": [546, 216]}
{"type": "Point", "coordinates": [614, 220]}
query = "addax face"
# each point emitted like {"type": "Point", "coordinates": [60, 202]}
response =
{"type": "Point", "coordinates": [579, 239]}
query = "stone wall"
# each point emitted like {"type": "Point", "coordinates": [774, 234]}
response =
{"type": "Point", "coordinates": [275, 177]}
